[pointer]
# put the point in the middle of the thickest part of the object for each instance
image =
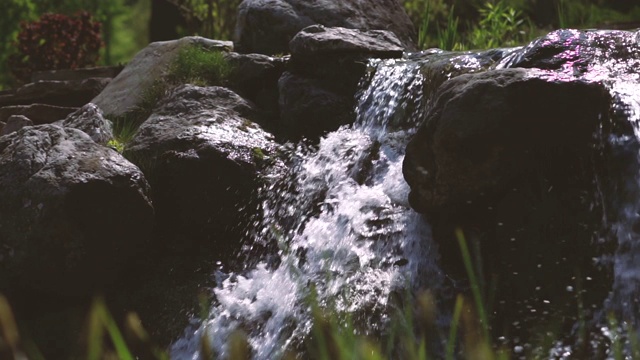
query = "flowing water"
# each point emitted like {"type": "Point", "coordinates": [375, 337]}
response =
{"type": "Point", "coordinates": [353, 238]}
{"type": "Point", "coordinates": [346, 235]}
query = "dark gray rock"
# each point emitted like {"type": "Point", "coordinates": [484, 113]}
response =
{"type": "Point", "coordinates": [38, 113]}
{"type": "Point", "coordinates": [519, 161]}
{"type": "Point", "coordinates": [255, 77]}
{"type": "Point", "coordinates": [339, 56]}
{"type": "Point", "coordinates": [72, 212]}
{"type": "Point", "coordinates": [204, 158]}
{"type": "Point", "coordinates": [267, 26]}
{"type": "Point", "coordinates": [15, 123]}
{"type": "Point", "coordinates": [317, 40]}
{"type": "Point", "coordinates": [483, 130]}
{"type": "Point", "coordinates": [126, 90]}
{"type": "Point", "coordinates": [308, 108]}
{"type": "Point", "coordinates": [90, 120]}
{"type": "Point", "coordinates": [70, 93]}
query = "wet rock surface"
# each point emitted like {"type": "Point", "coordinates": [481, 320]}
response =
{"type": "Point", "coordinates": [483, 130]}
{"type": "Point", "coordinates": [73, 212]}
{"type": "Point", "coordinates": [317, 92]}
{"type": "Point", "coordinates": [531, 165]}
{"type": "Point", "coordinates": [317, 40]}
{"type": "Point", "coordinates": [267, 26]}
{"type": "Point", "coordinates": [203, 156]}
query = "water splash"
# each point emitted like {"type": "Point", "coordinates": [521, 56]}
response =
{"type": "Point", "coordinates": [344, 227]}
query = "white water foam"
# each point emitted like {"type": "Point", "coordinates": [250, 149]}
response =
{"type": "Point", "coordinates": [361, 243]}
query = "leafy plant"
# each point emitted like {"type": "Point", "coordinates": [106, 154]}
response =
{"type": "Point", "coordinates": [56, 41]}
{"type": "Point", "coordinates": [423, 30]}
{"type": "Point", "coordinates": [448, 38]}
{"type": "Point", "coordinates": [214, 19]}
{"type": "Point", "coordinates": [500, 25]}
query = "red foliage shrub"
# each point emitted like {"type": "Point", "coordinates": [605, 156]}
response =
{"type": "Point", "coordinates": [56, 42]}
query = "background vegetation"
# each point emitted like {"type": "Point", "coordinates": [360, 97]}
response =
{"type": "Point", "coordinates": [129, 25]}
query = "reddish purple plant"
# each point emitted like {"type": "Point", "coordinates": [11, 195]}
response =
{"type": "Point", "coordinates": [54, 42]}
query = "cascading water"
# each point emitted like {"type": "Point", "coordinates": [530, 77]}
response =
{"type": "Point", "coordinates": [361, 243]}
{"type": "Point", "coordinates": [342, 221]}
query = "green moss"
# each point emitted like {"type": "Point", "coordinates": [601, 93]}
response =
{"type": "Point", "coordinates": [258, 153]}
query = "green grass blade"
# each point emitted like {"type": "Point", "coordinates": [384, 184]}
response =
{"type": "Point", "coordinates": [453, 330]}
{"type": "Point", "coordinates": [475, 289]}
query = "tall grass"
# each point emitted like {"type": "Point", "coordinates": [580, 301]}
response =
{"type": "Point", "coordinates": [411, 332]}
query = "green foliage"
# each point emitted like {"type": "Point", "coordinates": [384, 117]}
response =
{"type": "Point", "coordinates": [500, 25]}
{"type": "Point", "coordinates": [124, 129]}
{"type": "Point", "coordinates": [199, 66]}
{"type": "Point", "coordinates": [215, 19]}
{"type": "Point", "coordinates": [13, 12]}
{"type": "Point", "coordinates": [448, 37]}
{"type": "Point", "coordinates": [497, 23]}
{"type": "Point", "coordinates": [55, 42]}
{"type": "Point", "coordinates": [120, 20]}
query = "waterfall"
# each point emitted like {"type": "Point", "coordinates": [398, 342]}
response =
{"type": "Point", "coordinates": [350, 232]}
{"type": "Point", "coordinates": [347, 237]}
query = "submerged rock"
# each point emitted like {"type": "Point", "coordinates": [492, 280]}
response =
{"type": "Point", "coordinates": [267, 26]}
{"type": "Point", "coordinates": [204, 158]}
{"type": "Point", "coordinates": [72, 212]}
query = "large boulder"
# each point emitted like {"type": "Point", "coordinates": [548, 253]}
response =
{"type": "Point", "coordinates": [125, 92]}
{"type": "Point", "coordinates": [318, 41]}
{"type": "Point", "coordinates": [317, 93]}
{"type": "Point", "coordinates": [340, 55]}
{"type": "Point", "coordinates": [267, 26]}
{"type": "Point", "coordinates": [578, 53]}
{"type": "Point", "coordinates": [517, 160]}
{"type": "Point", "coordinates": [72, 212]}
{"type": "Point", "coordinates": [484, 131]}
{"type": "Point", "coordinates": [204, 158]}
